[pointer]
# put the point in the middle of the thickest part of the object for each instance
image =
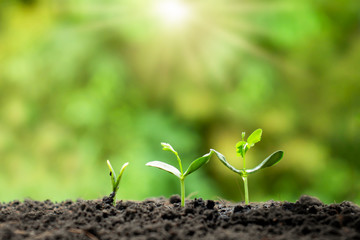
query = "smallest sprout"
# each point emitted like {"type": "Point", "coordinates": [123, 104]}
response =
{"type": "Point", "coordinates": [115, 181]}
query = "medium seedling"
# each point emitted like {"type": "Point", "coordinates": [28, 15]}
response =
{"type": "Point", "coordinates": [115, 181]}
{"type": "Point", "coordinates": [195, 165]}
{"type": "Point", "coordinates": [242, 148]}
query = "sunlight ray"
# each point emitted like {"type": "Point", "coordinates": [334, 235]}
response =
{"type": "Point", "coordinates": [217, 33]}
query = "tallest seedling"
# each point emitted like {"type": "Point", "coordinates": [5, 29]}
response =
{"type": "Point", "coordinates": [242, 148]}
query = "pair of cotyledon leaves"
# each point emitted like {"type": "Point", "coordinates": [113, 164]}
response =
{"type": "Point", "coordinates": [242, 147]}
{"type": "Point", "coordinates": [115, 180]}
{"type": "Point", "coordinates": [196, 164]}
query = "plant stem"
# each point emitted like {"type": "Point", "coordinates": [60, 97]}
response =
{"type": "Point", "coordinates": [180, 165]}
{"type": "Point", "coordinates": [113, 196]}
{"type": "Point", "coordinates": [244, 163]}
{"type": "Point", "coordinates": [182, 183]}
{"type": "Point", "coordinates": [246, 189]}
{"type": "Point", "coordinates": [244, 177]}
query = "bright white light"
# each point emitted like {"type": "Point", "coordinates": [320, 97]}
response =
{"type": "Point", "coordinates": [172, 12]}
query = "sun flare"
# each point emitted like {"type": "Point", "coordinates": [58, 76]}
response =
{"type": "Point", "coordinates": [198, 39]}
{"type": "Point", "coordinates": [172, 12]}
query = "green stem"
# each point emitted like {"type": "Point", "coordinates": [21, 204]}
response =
{"type": "Point", "coordinates": [182, 181]}
{"type": "Point", "coordinates": [182, 185]}
{"type": "Point", "coordinates": [180, 165]}
{"type": "Point", "coordinates": [113, 195]}
{"type": "Point", "coordinates": [246, 189]}
{"type": "Point", "coordinates": [244, 163]}
{"type": "Point", "coordinates": [244, 177]}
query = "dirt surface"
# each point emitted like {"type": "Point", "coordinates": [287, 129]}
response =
{"type": "Point", "coordinates": [162, 218]}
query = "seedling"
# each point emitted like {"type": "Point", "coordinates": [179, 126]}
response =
{"type": "Point", "coordinates": [242, 148]}
{"type": "Point", "coordinates": [195, 165]}
{"type": "Point", "coordinates": [115, 181]}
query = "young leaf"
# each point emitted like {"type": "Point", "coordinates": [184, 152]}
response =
{"type": "Point", "coordinates": [168, 147]}
{"type": "Point", "coordinates": [120, 174]}
{"type": "Point", "coordinates": [254, 137]}
{"type": "Point", "coordinates": [241, 148]}
{"type": "Point", "coordinates": [112, 174]}
{"type": "Point", "coordinates": [268, 162]}
{"type": "Point", "coordinates": [223, 160]}
{"type": "Point", "coordinates": [166, 167]}
{"type": "Point", "coordinates": [243, 136]}
{"type": "Point", "coordinates": [196, 164]}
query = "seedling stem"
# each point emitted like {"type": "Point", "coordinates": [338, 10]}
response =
{"type": "Point", "coordinates": [182, 185]}
{"type": "Point", "coordinates": [246, 189]}
{"type": "Point", "coordinates": [244, 177]}
{"type": "Point", "coordinates": [179, 161]}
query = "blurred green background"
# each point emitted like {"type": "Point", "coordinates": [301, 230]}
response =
{"type": "Point", "coordinates": [85, 81]}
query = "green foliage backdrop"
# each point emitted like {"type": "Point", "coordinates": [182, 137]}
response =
{"type": "Point", "coordinates": [85, 81]}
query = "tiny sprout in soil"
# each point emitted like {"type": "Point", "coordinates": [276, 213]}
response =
{"type": "Point", "coordinates": [195, 165]}
{"type": "Point", "coordinates": [241, 148]}
{"type": "Point", "coordinates": [115, 181]}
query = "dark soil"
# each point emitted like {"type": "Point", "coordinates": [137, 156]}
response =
{"type": "Point", "coordinates": [162, 218]}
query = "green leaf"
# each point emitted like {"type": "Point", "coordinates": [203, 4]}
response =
{"type": "Point", "coordinates": [223, 160]}
{"type": "Point", "coordinates": [241, 148]}
{"type": "Point", "coordinates": [254, 137]}
{"type": "Point", "coordinates": [168, 147]}
{"type": "Point", "coordinates": [196, 164]}
{"type": "Point", "coordinates": [268, 162]}
{"type": "Point", "coordinates": [243, 136]}
{"type": "Point", "coordinates": [166, 167]}
{"type": "Point", "coordinates": [112, 174]}
{"type": "Point", "coordinates": [120, 174]}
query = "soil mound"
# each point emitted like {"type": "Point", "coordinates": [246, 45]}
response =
{"type": "Point", "coordinates": [161, 218]}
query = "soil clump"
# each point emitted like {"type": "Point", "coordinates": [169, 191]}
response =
{"type": "Point", "coordinates": [161, 218]}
